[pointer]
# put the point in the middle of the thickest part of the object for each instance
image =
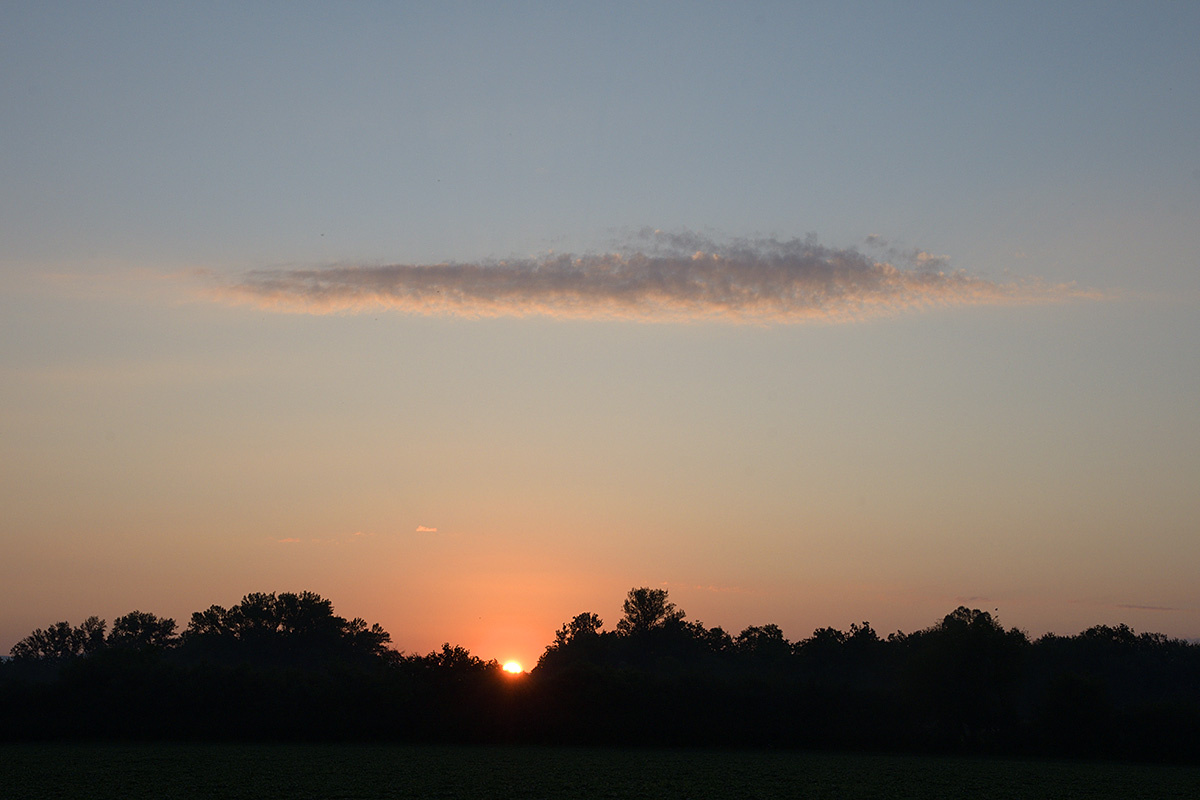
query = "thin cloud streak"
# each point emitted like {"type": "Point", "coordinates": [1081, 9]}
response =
{"type": "Point", "coordinates": [671, 278]}
{"type": "Point", "coordinates": [1133, 607]}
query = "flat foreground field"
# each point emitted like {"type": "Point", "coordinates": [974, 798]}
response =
{"type": "Point", "coordinates": [259, 772]}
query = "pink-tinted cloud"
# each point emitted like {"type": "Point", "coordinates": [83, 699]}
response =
{"type": "Point", "coordinates": [424, 529]}
{"type": "Point", "coordinates": [670, 278]}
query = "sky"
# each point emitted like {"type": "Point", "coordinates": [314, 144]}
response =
{"type": "Point", "coordinates": [471, 317]}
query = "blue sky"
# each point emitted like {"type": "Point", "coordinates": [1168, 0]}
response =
{"type": "Point", "coordinates": [167, 430]}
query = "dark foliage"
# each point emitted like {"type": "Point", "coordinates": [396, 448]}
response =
{"type": "Point", "coordinates": [286, 667]}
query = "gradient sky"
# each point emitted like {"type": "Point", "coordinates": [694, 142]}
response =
{"type": "Point", "coordinates": [471, 317]}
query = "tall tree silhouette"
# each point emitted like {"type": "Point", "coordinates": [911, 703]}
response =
{"type": "Point", "coordinates": [647, 609]}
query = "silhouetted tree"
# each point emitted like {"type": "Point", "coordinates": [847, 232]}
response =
{"type": "Point", "coordinates": [577, 644]}
{"type": "Point", "coordinates": [582, 626]}
{"type": "Point", "coordinates": [53, 642]}
{"type": "Point", "coordinates": [367, 639]}
{"type": "Point", "coordinates": [291, 626]}
{"type": "Point", "coordinates": [279, 666]}
{"type": "Point", "coordinates": [763, 642]}
{"type": "Point", "coordinates": [61, 641]}
{"type": "Point", "coordinates": [968, 671]}
{"type": "Point", "coordinates": [141, 630]}
{"type": "Point", "coordinates": [455, 658]}
{"type": "Point", "coordinates": [645, 610]}
{"type": "Point", "coordinates": [90, 635]}
{"type": "Point", "coordinates": [715, 640]}
{"type": "Point", "coordinates": [266, 614]}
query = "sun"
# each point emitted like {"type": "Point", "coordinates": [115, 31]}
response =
{"type": "Point", "coordinates": [513, 667]}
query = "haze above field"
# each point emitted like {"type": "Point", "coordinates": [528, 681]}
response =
{"type": "Point", "coordinates": [471, 318]}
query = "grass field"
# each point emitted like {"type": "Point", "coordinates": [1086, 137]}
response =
{"type": "Point", "coordinates": [329, 772]}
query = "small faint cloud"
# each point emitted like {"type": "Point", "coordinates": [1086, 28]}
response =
{"type": "Point", "coordinates": [289, 540]}
{"type": "Point", "coordinates": [425, 529]}
{"type": "Point", "coordinates": [928, 261]}
{"type": "Point", "coordinates": [1108, 603]}
{"type": "Point", "coordinates": [1147, 608]}
{"type": "Point", "coordinates": [658, 277]}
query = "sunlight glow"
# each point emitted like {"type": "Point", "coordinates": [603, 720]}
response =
{"type": "Point", "coordinates": [513, 668]}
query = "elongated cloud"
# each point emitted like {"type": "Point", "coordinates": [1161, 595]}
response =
{"type": "Point", "coordinates": [671, 277]}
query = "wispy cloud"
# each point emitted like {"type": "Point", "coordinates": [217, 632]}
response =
{"type": "Point", "coordinates": [1109, 603]}
{"type": "Point", "coordinates": [1134, 607]}
{"type": "Point", "coordinates": [424, 529]}
{"type": "Point", "coordinates": [660, 277]}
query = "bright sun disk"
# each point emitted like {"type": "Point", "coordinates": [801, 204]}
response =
{"type": "Point", "coordinates": [513, 667]}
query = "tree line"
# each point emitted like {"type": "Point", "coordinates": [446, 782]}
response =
{"type": "Point", "coordinates": [286, 667]}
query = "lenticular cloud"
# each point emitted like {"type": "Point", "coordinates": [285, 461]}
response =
{"type": "Point", "coordinates": [673, 277]}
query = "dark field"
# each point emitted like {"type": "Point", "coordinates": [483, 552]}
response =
{"type": "Point", "coordinates": [383, 771]}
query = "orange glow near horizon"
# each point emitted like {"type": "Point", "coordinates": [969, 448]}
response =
{"type": "Point", "coordinates": [513, 668]}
